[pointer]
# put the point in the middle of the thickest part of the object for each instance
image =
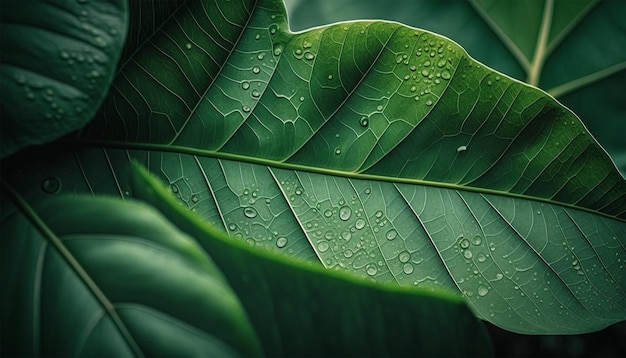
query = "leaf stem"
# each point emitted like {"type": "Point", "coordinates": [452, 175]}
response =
{"type": "Point", "coordinates": [573, 85]}
{"type": "Point", "coordinates": [536, 65]}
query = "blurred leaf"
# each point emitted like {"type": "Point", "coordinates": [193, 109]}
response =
{"type": "Point", "coordinates": [58, 60]}
{"type": "Point", "coordinates": [582, 61]}
{"type": "Point", "coordinates": [372, 147]}
{"type": "Point", "coordinates": [86, 276]}
{"type": "Point", "coordinates": [300, 309]}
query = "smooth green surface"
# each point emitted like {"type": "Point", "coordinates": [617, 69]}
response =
{"type": "Point", "coordinates": [58, 60]}
{"type": "Point", "coordinates": [579, 59]}
{"type": "Point", "coordinates": [85, 276]}
{"type": "Point", "coordinates": [372, 147]}
{"type": "Point", "coordinates": [301, 309]}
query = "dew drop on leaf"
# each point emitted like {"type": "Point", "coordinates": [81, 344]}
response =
{"type": "Point", "coordinates": [345, 212]}
{"type": "Point", "coordinates": [363, 121]}
{"type": "Point", "coordinates": [407, 268]}
{"type": "Point", "coordinates": [360, 224]}
{"type": "Point", "coordinates": [467, 254]}
{"type": "Point", "coordinates": [250, 212]}
{"type": "Point", "coordinates": [256, 69]}
{"type": "Point", "coordinates": [477, 240]}
{"type": "Point", "coordinates": [371, 269]}
{"type": "Point", "coordinates": [464, 243]}
{"type": "Point", "coordinates": [404, 256]}
{"type": "Point", "coordinates": [281, 242]}
{"type": "Point", "coordinates": [245, 85]}
{"type": "Point", "coordinates": [391, 234]}
{"type": "Point", "coordinates": [482, 291]}
{"type": "Point", "coordinates": [51, 185]}
{"type": "Point", "coordinates": [323, 246]}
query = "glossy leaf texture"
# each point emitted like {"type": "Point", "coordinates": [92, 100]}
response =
{"type": "Point", "coordinates": [58, 60]}
{"type": "Point", "coordinates": [301, 309]}
{"type": "Point", "coordinates": [571, 48]}
{"type": "Point", "coordinates": [85, 276]}
{"type": "Point", "coordinates": [373, 147]}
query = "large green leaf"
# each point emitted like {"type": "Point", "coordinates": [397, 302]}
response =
{"type": "Point", "coordinates": [301, 309]}
{"type": "Point", "coordinates": [571, 48]}
{"type": "Point", "coordinates": [86, 276]}
{"type": "Point", "coordinates": [58, 60]}
{"type": "Point", "coordinates": [374, 147]}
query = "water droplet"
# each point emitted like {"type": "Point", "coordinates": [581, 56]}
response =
{"type": "Point", "coordinates": [346, 235]}
{"type": "Point", "coordinates": [481, 257]}
{"type": "Point", "coordinates": [188, 46]}
{"type": "Point", "coordinates": [467, 254]}
{"type": "Point", "coordinates": [368, 191]}
{"type": "Point", "coordinates": [391, 234]}
{"type": "Point", "coordinates": [371, 269]}
{"type": "Point", "coordinates": [412, 68]}
{"type": "Point", "coordinates": [256, 69]}
{"type": "Point", "coordinates": [330, 77]}
{"type": "Point", "coordinates": [250, 212]}
{"type": "Point", "coordinates": [245, 85]}
{"type": "Point", "coordinates": [323, 246]}
{"type": "Point", "coordinates": [174, 189]}
{"type": "Point", "coordinates": [345, 212]}
{"type": "Point", "coordinates": [429, 103]}
{"type": "Point", "coordinates": [407, 268]}
{"type": "Point", "coordinates": [232, 227]}
{"type": "Point", "coordinates": [477, 240]}
{"type": "Point", "coordinates": [441, 63]}
{"type": "Point", "coordinates": [359, 224]}
{"type": "Point", "coordinates": [51, 185]}
{"type": "Point", "coordinates": [328, 213]}
{"type": "Point", "coordinates": [348, 253]}
{"type": "Point", "coordinates": [302, 99]}
{"type": "Point", "coordinates": [499, 276]}
{"type": "Point", "coordinates": [309, 56]}
{"type": "Point", "coordinates": [488, 83]}
{"type": "Point", "coordinates": [445, 74]}
{"type": "Point", "coordinates": [337, 151]}
{"type": "Point", "coordinates": [425, 72]}
{"type": "Point", "coordinates": [380, 108]}
{"type": "Point", "coordinates": [245, 108]}
{"type": "Point", "coordinates": [256, 93]}
{"type": "Point", "coordinates": [363, 122]}
{"type": "Point", "coordinates": [482, 291]}
{"type": "Point", "coordinates": [463, 242]}
{"type": "Point", "coordinates": [461, 148]}
{"type": "Point", "coordinates": [281, 242]}
{"type": "Point", "coordinates": [278, 49]}
{"type": "Point", "coordinates": [298, 191]}
{"type": "Point", "coordinates": [194, 198]}
{"type": "Point", "coordinates": [404, 256]}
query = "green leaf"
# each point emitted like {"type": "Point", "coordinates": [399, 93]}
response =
{"type": "Point", "coordinates": [567, 47]}
{"type": "Point", "coordinates": [300, 309]}
{"type": "Point", "coordinates": [372, 147]}
{"type": "Point", "coordinates": [57, 63]}
{"type": "Point", "coordinates": [86, 276]}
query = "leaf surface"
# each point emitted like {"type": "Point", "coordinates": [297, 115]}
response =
{"type": "Point", "coordinates": [57, 64]}
{"type": "Point", "coordinates": [572, 49]}
{"type": "Point", "coordinates": [373, 147]}
{"type": "Point", "coordinates": [86, 276]}
{"type": "Point", "coordinates": [301, 309]}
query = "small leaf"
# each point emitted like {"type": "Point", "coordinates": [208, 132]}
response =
{"type": "Point", "coordinates": [300, 309]}
{"type": "Point", "coordinates": [86, 276]}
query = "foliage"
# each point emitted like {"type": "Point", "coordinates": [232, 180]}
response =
{"type": "Point", "coordinates": [371, 147]}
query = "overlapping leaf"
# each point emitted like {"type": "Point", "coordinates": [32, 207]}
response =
{"type": "Point", "coordinates": [58, 60]}
{"type": "Point", "coordinates": [381, 149]}
{"type": "Point", "coordinates": [89, 277]}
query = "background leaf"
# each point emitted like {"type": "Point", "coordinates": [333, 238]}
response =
{"type": "Point", "coordinates": [582, 62]}
{"type": "Point", "coordinates": [304, 310]}
{"type": "Point", "coordinates": [96, 276]}
{"type": "Point", "coordinates": [373, 147]}
{"type": "Point", "coordinates": [58, 60]}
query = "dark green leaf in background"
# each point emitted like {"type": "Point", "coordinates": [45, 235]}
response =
{"type": "Point", "coordinates": [372, 147]}
{"type": "Point", "coordinates": [58, 60]}
{"type": "Point", "coordinates": [85, 276]}
{"type": "Point", "coordinates": [581, 60]}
